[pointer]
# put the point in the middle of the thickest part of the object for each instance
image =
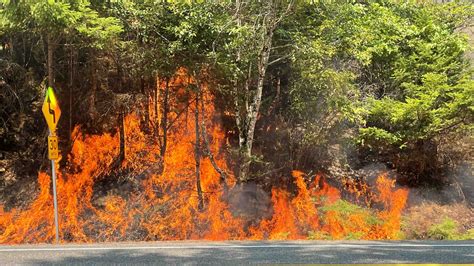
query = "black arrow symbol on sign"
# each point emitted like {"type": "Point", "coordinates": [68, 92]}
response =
{"type": "Point", "coordinates": [51, 111]}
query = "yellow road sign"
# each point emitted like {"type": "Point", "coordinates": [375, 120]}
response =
{"type": "Point", "coordinates": [53, 151]}
{"type": "Point", "coordinates": [51, 109]}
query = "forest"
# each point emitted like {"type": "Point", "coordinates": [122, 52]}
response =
{"type": "Point", "coordinates": [238, 119]}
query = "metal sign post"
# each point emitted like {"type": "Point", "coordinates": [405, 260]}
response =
{"type": "Point", "coordinates": [55, 200]}
{"type": "Point", "coordinates": [52, 112]}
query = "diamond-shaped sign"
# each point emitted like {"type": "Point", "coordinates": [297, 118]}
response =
{"type": "Point", "coordinates": [51, 109]}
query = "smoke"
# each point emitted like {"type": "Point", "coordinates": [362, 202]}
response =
{"type": "Point", "coordinates": [463, 178]}
{"type": "Point", "coordinates": [166, 203]}
{"type": "Point", "coordinates": [371, 171]}
{"type": "Point", "coordinates": [250, 202]}
{"type": "Point", "coordinates": [458, 188]}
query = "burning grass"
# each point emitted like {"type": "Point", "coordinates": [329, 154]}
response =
{"type": "Point", "coordinates": [165, 207]}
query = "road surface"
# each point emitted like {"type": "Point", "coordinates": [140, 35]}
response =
{"type": "Point", "coordinates": [242, 252]}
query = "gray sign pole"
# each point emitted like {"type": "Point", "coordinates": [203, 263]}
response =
{"type": "Point", "coordinates": [53, 171]}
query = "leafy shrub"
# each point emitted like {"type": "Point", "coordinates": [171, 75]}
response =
{"type": "Point", "coordinates": [319, 235]}
{"type": "Point", "coordinates": [448, 229]}
{"type": "Point", "coordinates": [351, 221]}
{"type": "Point", "coordinates": [433, 221]}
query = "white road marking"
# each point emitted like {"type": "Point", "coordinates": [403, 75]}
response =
{"type": "Point", "coordinates": [85, 248]}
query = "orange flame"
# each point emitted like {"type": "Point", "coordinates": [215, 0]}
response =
{"type": "Point", "coordinates": [165, 205]}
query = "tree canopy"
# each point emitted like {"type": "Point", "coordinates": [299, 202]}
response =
{"type": "Point", "coordinates": [382, 80]}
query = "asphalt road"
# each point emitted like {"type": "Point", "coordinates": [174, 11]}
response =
{"type": "Point", "coordinates": [241, 252]}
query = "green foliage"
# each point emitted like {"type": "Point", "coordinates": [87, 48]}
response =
{"type": "Point", "coordinates": [354, 236]}
{"type": "Point", "coordinates": [387, 74]}
{"type": "Point", "coordinates": [96, 28]}
{"type": "Point", "coordinates": [344, 208]}
{"type": "Point", "coordinates": [324, 99]}
{"type": "Point", "coordinates": [162, 38]}
{"type": "Point", "coordinates": [427, 110]}
{"type": "Point", "coordinates": [469, 235]}
{"type": "Point", "coordinates": [345, 211]}
{"type": "Point", "coordinates": [60, 19]}
{"type": "Point", "coordinates": [448, 229]}
{"type": "Point", "coordinates": [319, 235]}
{"type": "Point", "coordinates": [423, 86]}
{"type": "Point", "coordinates": [53, 16]}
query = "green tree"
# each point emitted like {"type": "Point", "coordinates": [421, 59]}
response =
{"type": "Point", "coordinates": [324, 99]}
{"type": "Point", "coordinates": [55, 21]}
{"type": "Point", "coordinates": [415, 79]}
{"type": "Point", "coordinates": [247, 53]}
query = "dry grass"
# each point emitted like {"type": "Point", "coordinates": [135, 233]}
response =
{"type": "Point", "coordinates": [420, 219]}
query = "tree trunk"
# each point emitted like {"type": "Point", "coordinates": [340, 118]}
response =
{"type": "Point", "coordinates": [155, 100]}
{"type": "Point", "coordinates": [71, 83]}
{"type": "Point", "coordinates": [206, 146]}
{"type": "Point", "coordinates": [197, 153]}
{"type": "Point", "coordinates": [144, 91]}
{"type": "Point", "coordinates": [164, 119]}
{"type": "Point", "coordinates": [50, 61]}
{"type": "Point", "coordinates": [252, 104]}
{"type": "Point", "coordinates": [257, 98]}
{"type": "Point", "coordinates": [92, 109]}
{"type": "Point", "coordinates": [276, 100]}
{"type": "Point", "coordinates": [11, 47]}
{"type": "Point", "coordinates": [122, 138]}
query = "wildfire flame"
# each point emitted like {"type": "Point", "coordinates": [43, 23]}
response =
{"type": "Point", "coordinates": [165, 206]}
